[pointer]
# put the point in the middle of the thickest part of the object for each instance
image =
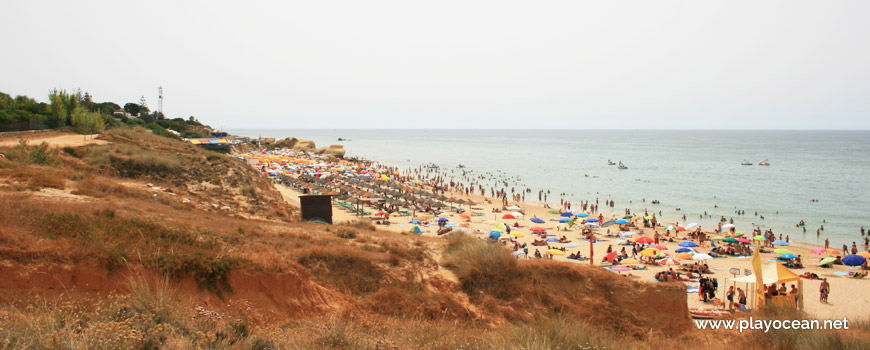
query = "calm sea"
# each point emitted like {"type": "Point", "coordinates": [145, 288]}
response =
{"type": "Point", "coordinates": [695, 171]}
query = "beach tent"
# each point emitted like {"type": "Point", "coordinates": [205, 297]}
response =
{"type": "Point", "coordinates": [772, 273]}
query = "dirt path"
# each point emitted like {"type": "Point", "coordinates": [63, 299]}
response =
{"type": "Point", "coordinates": [57, 139]}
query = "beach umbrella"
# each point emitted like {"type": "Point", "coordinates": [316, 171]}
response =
{"type": "Point", "coordinates": [650, 252]}
{"type": "Point", "coordinates": [727, 226]}
{"type": "Point", "coordinates": [518, 253]}
{"type": "Point", "coordinates": [513, 207]}
{"type": "Point", "coordinates": [607, 223]}
{"type": "Point", "coordinates": [466, 217]}
{"type": "Point", "coordinates": [743, 240]}
{"type": "Point", "coordinates": [591, 220]}
{"type": "Point", "coordinates": [572, 245]}
{"type": "Point", "coordinates": [517, 214]}
{"type": "Point", "coordinates": [564, 220]}
{"type": "Point", "coordinates": [760, 238]}
{"type": "Point", "coordinates": [818, 251]}
{"type": "Point", "coordinates": [581, 215]}
{"type": "Point", "coordinates": [717, 238]}
{"type": "Point", "coordinates": [518, 234]}
{"type": "Point", "coordinates": [670, 228]}
{"type": "Point", "coordinates": [782, 251]}
{"type": "Point", "coordinates": [567, 214]}
{"type": "Point", "coordinates": [381, 213]}
{"type": "Point", "coordinates": [555, 252]}
{"type": "Point", "coordinates": [683, 250]}
{"type": "Point", "coordinates": [645, 240]}
{"type": "Point", "coordinates": [827, 260]}
{"type": "Point", "coordinates": [688, 244]}
{"type": "Point", "coordinates": [627, 217]}
{"type": "Point", "coordinates": [833, 251]}
{"type": "Point", "coordinates": [738, 233]}
{"type": "Point", "coordinates": [442, 219]}
{"type": "Point", "coordinates": [730, 240]}
{"type": "Point", "coordinates": [683, 256]}
{"type": "Point", "coordinates": [648, 217]}
{"type": "Point", "coordinates": [629, 261]}
{"type": "Point", "coordinates": [553, 211]}
{"type": "Point", "coordinates": [701, 257]}
{"type": "Point", "coordinates": [622, 221]}
{"type": "Point", "coordinates": [507, 216]}
{"type": "Point", "coordinates": [494, 235]}
{"type": "Point", "coordinates": [691, 226]}
{"type": "Point", "coordinates": [787, 256]}
{"type": "Point", "coordinates": [627, 234]}
{"type": "Point", "coordinates": [415, 222]}
{"type": "Point", "coordinates": [680, 228]}
{"type": "Point", "coordinates": [443, 215]}
{"type": "Point", "coordinates": [866, 255]}
{"type": "Point", "coordinates": [660, 247]}
{"type": "Point", "coordinates": [854, 260]}
{"type": "Point", "coordinates": [668, 261]}
{"type": "Point", "coordinates": [537, 220]}
{"type": "Point", "coordinates": [538, 229]}
{"type": "Point", "coordinates": [610, 256]}
{"type": "Point", "coordinates": [780, 242]}
{"type": "Point", "coordinates": [499, 228]}
{"type": "Point", "coordinates": [489, 222]}
{"type": "Point", "coordinates": [552, 239]}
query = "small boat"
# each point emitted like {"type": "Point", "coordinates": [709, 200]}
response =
{"type": "Point", "coordinates": [622, 166]}
{"type": "Point", "coordinates": [610, 162]}
{"type": "Point", "coordinates": [765, 163]}
{"type": "Point", "coordinates": [699, 313]}
{"type": "Point", "coordinates": [746, 162]}
{"type": "Point", "coordinates": [432, 166]}
{"type": "Point", "coordinates": [460, 166]}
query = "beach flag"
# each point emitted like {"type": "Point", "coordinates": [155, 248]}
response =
{"type": "Point", "coordinates": [759, 281]}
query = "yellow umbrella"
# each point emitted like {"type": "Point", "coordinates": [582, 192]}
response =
{"type": "Point", "coordinates": [866, 255]}
{"type": "Point", "coordinates": [518, 234]}
{"type": "Point", "coordinates": [629, 261]}
{"type": "Point", "coordinates": [556, 252]}
{"type": "Point", "coordinates": [650, 252]}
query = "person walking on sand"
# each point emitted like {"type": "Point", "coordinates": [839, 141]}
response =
{"type": "Point", "coordinates": [730, 297]}
{"type": "Point", "coordinates": [827, 243]}
{"type": "Point", "coordinates": [824, 290]}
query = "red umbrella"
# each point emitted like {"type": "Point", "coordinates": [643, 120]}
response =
{"type": "Point", "coordinates": [743, 240]}
{"type": "Point", "coordinates": [668, 261]}
{"type": "Point", "coordinates": [381, 213]}
{"type": "Point", "coordinates": [645, 240]}
{"type": "Point", "coordinates": [610, 256]}
{"type": "Point", "coordinates": [508, 216]}
{"type": "Point", "coordinates": [538, 229]}
{"type": "Point", "coordinates": [660, 247]}
{"type": "Point", "coordinates": [680, 228]}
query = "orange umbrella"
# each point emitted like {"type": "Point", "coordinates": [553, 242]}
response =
{"type": "Point", "coordinates": [683, 256]}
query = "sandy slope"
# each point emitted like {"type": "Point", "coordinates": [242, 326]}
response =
{"type": "Point", "coordinates": [57, 139]}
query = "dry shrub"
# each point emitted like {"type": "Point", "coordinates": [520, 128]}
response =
{"type": "Point", "coordinates": [347, 269]}
{"type": "Point", "coordinates": [43, 180]}
{"type": "Point", "coordinates": [483, 268]}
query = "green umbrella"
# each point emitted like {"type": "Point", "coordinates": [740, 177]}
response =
{"type": "Point", "coordinates": [827, 260]}
{"type": "Point", "coordinates": [553, 211]}
{"type": "Point", "coordinates": [499, 228]}
{"type": "Point", "coordinates": [627, 217]}
{"type": "Point", "coordinates": [738, 233]}
{"type": "Point", "coordinates": [670, 227]}
{"type": "Point", "coordinates": [760, 238]}
{"type": "Point", "coordinates": [730, 240]}
{"type": "Point", "coordinates": [648, 217]}
{"type": "Point", "coordinates": [782, 251]}
{"type": "Point", "coordinates": [717, 238]}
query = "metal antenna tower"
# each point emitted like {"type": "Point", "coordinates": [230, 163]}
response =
{"type": "Point", "coordinates": [160, 101]}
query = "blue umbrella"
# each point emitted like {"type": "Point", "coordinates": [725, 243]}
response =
{"type": "Point", "coordinates": [683, 250]}
{"type": "Point", "coordinates": [442, 219]}
{"type": "Point", "coordinates": [854, 260]}
{"type": "Point", "coordinates": [591, 220]}
{"type": "Point", "coordinates": [494, 235]}
{"type": "Point", "coordinates": [415, 222]}
{"type": "Point", "coordinates": [564, 219]}
{"type": "Point", "coordinates": [688, 244]}
{"type": "Point", "coordinates": [780, 242]}
{"type": "Point", "coordinates": [581, 215]}
{"type": "Point", "coordinates": [608, 223]}
{"type": "Point", "coordinates": [552, 239]}
{"type": "Point", "coordinates": [567, 214]}
{"type": "Point", "coordinates": [788, 256]}
{"type": "Point", "coordinates": [537, 220]}
{"type": "Point", "coordinates": [622, 221]}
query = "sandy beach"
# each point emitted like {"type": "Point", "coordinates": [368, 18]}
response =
{"type": "Point", "coordinates": [848, 296]}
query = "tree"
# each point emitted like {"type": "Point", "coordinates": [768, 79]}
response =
{"type": "Point", "coordinates": [132, 108]}
{"type": "Point", "coordinates": [87, 122]}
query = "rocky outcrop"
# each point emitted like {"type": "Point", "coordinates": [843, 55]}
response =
{"type": "Point", "coordinates": [333, 150]}
{"type": "Point", "coordinates": [297, 144]}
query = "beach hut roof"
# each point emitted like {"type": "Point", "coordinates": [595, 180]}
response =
{"type": "Point", "coordinates": [773, 273]}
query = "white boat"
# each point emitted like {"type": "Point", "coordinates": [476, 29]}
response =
{"type": "Point", "coordinates": [746, 162]}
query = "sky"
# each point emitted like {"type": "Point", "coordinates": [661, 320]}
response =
{"type": "Point", "coordinates": [576, 64]}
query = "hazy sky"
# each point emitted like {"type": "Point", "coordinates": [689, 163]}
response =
{"type": "Point", "coordinates": [455, 64]}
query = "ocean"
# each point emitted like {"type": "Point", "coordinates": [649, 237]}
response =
{"type": "Point", "coordinates": [695, 171]}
